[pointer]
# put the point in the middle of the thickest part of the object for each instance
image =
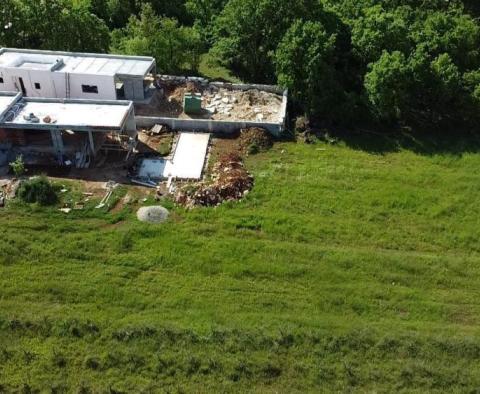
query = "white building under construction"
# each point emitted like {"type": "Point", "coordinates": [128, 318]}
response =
{"type": "Point", "coordinates": [68, 75]}
{"type": "Point", "coordinates": [50, 131]}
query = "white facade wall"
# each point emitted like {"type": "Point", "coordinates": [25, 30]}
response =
{"type": "Point", "coordinates": [53, 84]}
{"type": "Point", "coordinates": [8, 83]}
{"type": "Point", "coordinates": [104, 83]}
{"type": "Point", "coordinates": [11, 82]}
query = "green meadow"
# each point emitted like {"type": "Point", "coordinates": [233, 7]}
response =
{"type": "Point", "coordinates": [352, 267]}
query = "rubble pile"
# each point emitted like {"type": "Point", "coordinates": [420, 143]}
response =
{"type": "Point", "coordinates": [246, 105]}
{"type": "Point", "coordinates": [224, 102]}
{"type": "Point", "coordinates": [230, 181]}
{"type": "Point", "coordinates": [193, 87]}
{"type": "Point", "coordinates": [255, 139]}
{"type": "Point", "coordinates": [8, 189]}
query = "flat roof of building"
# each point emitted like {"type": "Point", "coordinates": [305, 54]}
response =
{"type": "Point", "coordinates": [63, 114]}
{"type": "Point", "coordinates": [76, 63]}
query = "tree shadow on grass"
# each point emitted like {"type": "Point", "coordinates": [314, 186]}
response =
{"type": "Point", "coordinates": [427, 143]}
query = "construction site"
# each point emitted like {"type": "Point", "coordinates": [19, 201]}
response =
{"type": "Point", "coordinates": [188, 131]}
{"type": "Point", "coordinates": [196, 104]}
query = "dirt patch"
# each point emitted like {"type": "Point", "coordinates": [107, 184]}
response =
{"type": "Point", "coordinates": [119, 205]}
{"type": "Point", "coordinates": [254, 140]}
{"type": "Point", "coordinates": [230, 181]}
{"type": "Point", "coordinates": [155, 144]}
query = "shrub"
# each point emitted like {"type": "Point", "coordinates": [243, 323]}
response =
{"type": "Point", "coordinates": [38, 190]}
{"type": "Point", "coordinates": [18, 166]}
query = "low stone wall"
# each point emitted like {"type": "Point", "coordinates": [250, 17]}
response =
{"type": "Point", "coordinates": [211, 126]}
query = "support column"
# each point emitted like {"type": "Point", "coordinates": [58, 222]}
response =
{"type": "Point", "coordinates": [92, 145]}
{"type": "Point", "coordinates": [57, 141]}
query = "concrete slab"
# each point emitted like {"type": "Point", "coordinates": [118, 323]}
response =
{"type": "Point", "coordinates": [187, 163]}
{"type": "Point", "coordinates": [190, 155]}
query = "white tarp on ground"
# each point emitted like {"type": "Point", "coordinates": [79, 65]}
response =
{"type": "Point", "coordinates": [187, 163]}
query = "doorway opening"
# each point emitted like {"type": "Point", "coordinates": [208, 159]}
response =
{"type": "Point", "coordinates": [22, 86]}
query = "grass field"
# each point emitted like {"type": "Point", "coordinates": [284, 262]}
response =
{"type": "Point", "coordinates": [349, 267]}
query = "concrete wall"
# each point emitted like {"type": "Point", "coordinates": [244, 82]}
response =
{"type": "Point", "coordinates": [53, 84]}
{"type": "Point", "coordinates": [212, 126]}
{"type": "Point", "coordinates": [105, 84]}
{"type": "Point", "coordinates": [11, 79]}
{"type": "Point", "coordinates": [235, 86]}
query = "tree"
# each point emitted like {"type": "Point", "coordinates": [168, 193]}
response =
{"type": "Point", "coordinates": [447, 91]}
{"type": "Point", "coordinates": [377, 30]}
{"type": "Point", "coordinates": [11, 23]}
{"type": "Point", "coordinates": [306, 65]}
{"type": "Point", "coordinates": [387, 85]}
{"type": "Point", "coordinates": [175, 47]}
{"type": "Point", "coordinates": [119, 12]}
{"type": "Point", "coordinates": [54, 25]}
{"type": "Point", "coordinates": [204, 12]}
{"type": "Point", "coordinates": [247, 33]}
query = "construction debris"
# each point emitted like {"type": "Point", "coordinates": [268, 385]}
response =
{"type": "Point", "coordinates": [110, 186]}
{"type": "Point", "coordinates": [31, 118]}
{"type": "Point", "coordinates": [254, 140]}
{"type": "Point", "coordinates": [252, 105]}
{"type": "Point", "coordinates": [157, 130]}
{"type": "Point", "coordinates": [217, 103]}
{"type": "Point", "coordinates": [8, 190]}
{"type": "Point", "coordinates": [230, 181]}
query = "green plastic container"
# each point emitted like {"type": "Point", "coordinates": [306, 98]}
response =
{"type": "Point", "coordinates": [192, 103]}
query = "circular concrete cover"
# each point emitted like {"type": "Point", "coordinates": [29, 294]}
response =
{"type": "Point", "coordinates": [155, 214]}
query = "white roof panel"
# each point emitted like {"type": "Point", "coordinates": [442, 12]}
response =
{"type": "Point", "coordinates": [86, 114]}
{"type": "Point", "coordinates": [77, 63]}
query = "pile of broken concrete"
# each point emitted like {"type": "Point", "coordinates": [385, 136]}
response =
{"type": "Point", "coordinates": [230, 182]}
{"type": "Point", "coordinates": [8, 190]}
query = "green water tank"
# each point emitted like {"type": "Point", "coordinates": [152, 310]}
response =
{"type": "Point", "coordinates": [192, 103]}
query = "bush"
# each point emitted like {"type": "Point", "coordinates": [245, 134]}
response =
{"type": "Point", "coordinates": [17, 166]}
{"type": "Point", "coordinates": [38, 190]}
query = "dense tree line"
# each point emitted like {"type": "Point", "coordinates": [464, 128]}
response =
{"type": "Point", "coordinates": [343, 60]}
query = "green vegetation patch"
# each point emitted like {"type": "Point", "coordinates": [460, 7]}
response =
{"type": "Point", "coordinates": [344, 269]}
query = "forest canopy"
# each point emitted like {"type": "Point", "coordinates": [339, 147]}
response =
{"type": "Point", "coordinates": [343, 61]}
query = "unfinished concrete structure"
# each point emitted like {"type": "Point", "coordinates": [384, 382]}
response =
{"type": "Point", "coordinates": [63, 132]}
{"type": "Point", "coordinates": [226, 107]}
{"type": "Point", "coordinates": [52, 74]}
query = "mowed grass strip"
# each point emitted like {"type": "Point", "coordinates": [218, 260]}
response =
{"type": "Point", "coordinates": [343, 269]}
